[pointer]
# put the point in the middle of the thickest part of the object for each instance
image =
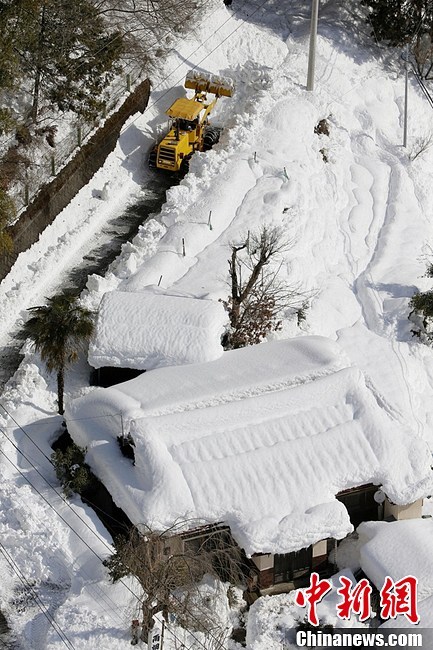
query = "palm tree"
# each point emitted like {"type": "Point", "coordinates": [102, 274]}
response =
{"type": "Point", "coordinates": [58, 330]}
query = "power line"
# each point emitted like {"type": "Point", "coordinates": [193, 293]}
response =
{"type": "Point", "coordinates": [50, 505]}
{"type": "Point", "coordinates": [37, 599]}
{"type": "Point", "coordinates": [242, 22]}
{"type": "Point", "coordinates": [422, 86]}
{"type": "Point", "coordinates": [83, 521]}
{"type": "Point", "coordinates": [213, 50]}
{"type": "Point", "coordinates": [101, 593]}
{"type": "Point", "coordinates": [194, 67]}
{"type": "Point", "coordinates": [53, 508]}
{"type": "Point", "coordinates": [64, 499]}
{"type": "Point", "coordinates": [179, 80]}
{"type": "Point", "coordinates": [147, 108]}
{"type": "Point", "coordinates": [53, 123]}
{"type": "Point", "coordinates": [59, 515]}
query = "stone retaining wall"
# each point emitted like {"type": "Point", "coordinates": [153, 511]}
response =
{"type": "Point", "coordinates": [56, 195]}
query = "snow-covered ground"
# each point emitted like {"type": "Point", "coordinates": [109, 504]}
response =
{"type": "Point", "coordinates": [361, 233]}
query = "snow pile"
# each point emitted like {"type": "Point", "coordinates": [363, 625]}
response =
{"type": "Point", "coordinates": [361, 232]}
{"type": "Point", "coordinates": [149, 329]}
{"type": "Point", "coordinates": [268, 462]}
{"type": "Point", "coordinates": [398, 549]}
{"type": "Point", "coordinates": [272, 620]}
{"type": "Point", "coordinates": [234, 376]}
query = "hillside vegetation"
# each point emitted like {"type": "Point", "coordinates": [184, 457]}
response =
{"type": "Point", "coordinates": [57, 61]}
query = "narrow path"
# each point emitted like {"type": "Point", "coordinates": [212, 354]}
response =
{"type": "Point", "coordinates": [94, 255]}
{"type": "Point", "coordinates": [381, 234]}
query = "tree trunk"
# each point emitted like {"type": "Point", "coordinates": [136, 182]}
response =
{"type": "Point", "coordinates": [148, 622]}
{"type": "Point", "coordinates": [35, 103]}
{"type": "Point", "coordinates": [235, 285]}
{"type": "Point", "coordinates": [38, 71]}
{"type": "Point", "coordinates": [60, 390]}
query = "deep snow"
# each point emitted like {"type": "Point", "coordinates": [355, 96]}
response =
{"type": "Point", "coordinates": [360, 229]}
{"type": "Point", "coordinates": [150, 329]}
{"type": "Point", "coordinates": [261, 439]}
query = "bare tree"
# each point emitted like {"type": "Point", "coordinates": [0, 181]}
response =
{"type": "Point", "coordinates": [421, 145]}
{"type": "Point", "coordinates": [146, 23]}
{"type": "Point", "coordinates": [258, 297]}
{"type": "Point", "coordinates": [169, 565]}
{"type": "Point", "coordinates": [422, 50]}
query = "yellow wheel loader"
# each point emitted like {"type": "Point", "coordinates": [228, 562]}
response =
{"type": "Point", "coordinates": [190, 130]}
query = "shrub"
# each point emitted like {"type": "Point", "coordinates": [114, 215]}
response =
{"type": "Point", "coordinates": [71, 469]}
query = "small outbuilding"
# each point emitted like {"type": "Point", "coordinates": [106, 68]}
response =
{"type": "Point", "coordinates": [138, 331]}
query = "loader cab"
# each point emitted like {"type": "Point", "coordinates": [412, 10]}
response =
{"type": "Point", "coordinates": [187, 125]}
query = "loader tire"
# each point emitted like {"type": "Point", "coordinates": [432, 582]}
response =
{"type": "Point", "coordinates": [211, 136]}
{"type": "Point", "coordinates": [184, 168]}
{"type": "Point", "coordinates": [152, 158]}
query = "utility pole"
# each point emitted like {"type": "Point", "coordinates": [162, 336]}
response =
{"type": "Point", "coordinates": [406, 89]}
{"type": "Point", "coordinates": [313, 39]}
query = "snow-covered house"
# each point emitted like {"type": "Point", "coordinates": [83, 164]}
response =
{"type": "Point", "coordinates": [137, 331]}
{"type": "Point", "coordinates": [282, 442]}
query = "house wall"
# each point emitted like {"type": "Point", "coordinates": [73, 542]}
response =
{"type": "Point", "coordinates": [263, 562]}
{"type": "Point", "coordinates": [173, 545]}
{"type": "Point", "coordinates": [360, 504]}
{"type": "Point", "coordinates": [411, 511]}
{"type": "Point", "coordinates": [320, 553]}
{"type": "Point", "coordinates": [320, 548]}
{"type": "Point", "coordinates": [266, 578]}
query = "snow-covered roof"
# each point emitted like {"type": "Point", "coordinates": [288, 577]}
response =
{"type": "Point", "coordinates": [148, 329]}
{"type": "Point", "coordinates": [399, 549]}
{"type": "Point", "coordinates": [261, 439]}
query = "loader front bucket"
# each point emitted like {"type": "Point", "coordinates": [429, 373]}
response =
{"type": "Point", "coordinates": [207, 83]}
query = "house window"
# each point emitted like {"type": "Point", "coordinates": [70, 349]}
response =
{"type": "Point", "coordinates": [288, 566]}
{"type": "Point", "coordinates": [217, 546]}
{"type": "Point", "coordinates": [360, 504]}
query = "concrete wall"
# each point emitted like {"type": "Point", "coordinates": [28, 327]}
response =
{"type": "Point", "coordinates": [263, 562]}
{"type": "Point", "coordinates": [411, 511]}
{"type": "Point", "coordinates": [55, 196]}
{"type": "Point", "coordinates": [320, 548]}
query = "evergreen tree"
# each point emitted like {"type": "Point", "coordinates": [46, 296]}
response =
{"type": "Point", "coordinates": [58, 330]}
{"type": "Point", "coordinates": [72, 470]}
{"type": "Point", "coordinates": [64, 47]}
{"type": "Point", "coordinates": [405, 21]}
{"type": "Point", "coordinates": [7, 213]}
